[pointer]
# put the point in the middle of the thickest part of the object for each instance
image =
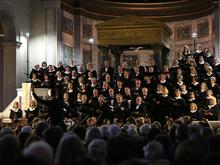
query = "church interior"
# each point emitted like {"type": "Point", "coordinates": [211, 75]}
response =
{"type": "Point", "coordinates": [111, 62]}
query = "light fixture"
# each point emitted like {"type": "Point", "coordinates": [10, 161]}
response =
{"type": "Point", "coordinates": [27, 35]}
{"type": "Point", "coordinates": [2, 35]}
{"type": "Point", "coordinates": [194, 35]}
{"type": "Point", "coordinates": [91, 40]}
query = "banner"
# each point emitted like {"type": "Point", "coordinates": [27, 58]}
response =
{"type": "Point", "coordinates": [26, 95]}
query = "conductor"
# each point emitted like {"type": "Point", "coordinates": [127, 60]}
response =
{"type": "Point", "coordinates": [55, 108]}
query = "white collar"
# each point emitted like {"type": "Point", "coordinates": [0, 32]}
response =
{"type": "Point", "coordinates": [192, 99]}
{"type": "Point", "coordinates": [163, 81]}
{"type": "Point", "coordinates": [217, 63]}
{"type": "Point", "coordinates": [193, 111]}
{"type": "Point", "coordinates": [208, 97]}
{"type": "Point", "coordinates": [35, 80]}
{"type": "Point", "coordinates": [201, 62]}
{"type": "Point", "coordinates": [67, 72]}
{"type": "Point", "coordinates": [177, 98]}
{"type": "Point", "coordinates": [185, 92]}
{"type": "Point", "coordinates": [15, 110]}
{"type": "Point", "coordinates": [208, 54]}
{"type": "Point", "coordinates": [209, 74]}
{"type": "Point", "coordinates": [32, 109]}
{"type": "Point", "coordinates": [198, 51]}
{"type": "Point", "coordinates": [180, 83]}
{"type": "Point", "coordinates": [93, 85]}
{"type": "Point", "coordinates": [44, 67]}
{"type": "Point", "coordinates": [210, 106]}
{"type": "Point", "coordinates": [196, 83]}
{"type": "Point", "coordinates": [59, 78]}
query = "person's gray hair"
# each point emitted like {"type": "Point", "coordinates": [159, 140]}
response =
{"type": "Point", "coordinates": [144, 129]}
{"type": "Point", "coordinates": [104, 131]}
{"type": "Point", "coordinates": [97, 149]}
{"type": "Point", "coordinates": [153, 151]}
{"type": "Point", "coordinates": [132, 132]}
{"type": "Point", "coordinates": [41, 151]}
{"type": "Point", "coordinates": [93, 133]}
{"type": "Point", "coordinates": [114, 130]}
{"type": "Point", "coordinates": [27, 129]}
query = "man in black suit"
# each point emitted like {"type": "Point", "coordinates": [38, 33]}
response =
{"type": "Point", "coordinates": [55, 108]}
{"type": "Point", "coordinates": [139, 109]}
{"type": "Point", "coordinates": [107, 69]}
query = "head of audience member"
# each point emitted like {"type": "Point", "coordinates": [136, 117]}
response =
{"type": "Point", "coordinates": [144, 129]}
{"type": "Point", "coordinates": [165, 141]}
{"type": "Point", "coordinates": [189, 152]}
{"type": "Point", "coordinates": [121, 148]}
{"type": "Point", "coordinates": [52, 136]}
{"type": "Point", "coordinates": [80, 131]}
{"type": "Point", "coordinates": [153, 151]}
{"type": "Point", "coordinates": [114, 130]}
{"type": "Point", "coordinates": [93, 133]}
{"type": "Point", "coordinates": [97, 150]}
{"type": "Point", "coordinates": [70, 150]}
{"type": "Point", "coordinates": [41, 151]}
{"type": "Point", "coordinates": [41, 127]}
{"type": "Point", "coordinates": [6, 131]}
{"type": "Point", "coordinates": [182, 132]}
{"type": "Point", "coordinates": [10, 151]}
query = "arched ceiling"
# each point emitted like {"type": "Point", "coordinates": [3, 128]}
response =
{"type": "Point", "coordinates": [165, 10]}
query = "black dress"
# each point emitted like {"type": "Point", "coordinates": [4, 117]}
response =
{"type": "Point", "coordinates": [15, 114]}
{"type": "Point", "coordinates": [196, 115]}
{"type": "Point", "coordinates": [31, 114]}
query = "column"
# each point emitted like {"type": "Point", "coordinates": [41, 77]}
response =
{"type": "Point", "coordinates": [77, 40]}
{"type": "Point", "coordinates": [53, 30]}
{"type": "Point", "coordinates": [9, 67]}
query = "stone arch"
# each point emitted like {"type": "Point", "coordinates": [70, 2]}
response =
{"type": "Point", "coordinates": [7, 55]}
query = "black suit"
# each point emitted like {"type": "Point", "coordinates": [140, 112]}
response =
{"type": "Point", "coordinates": [104, 71]}
{"type": "Point", "coordinates": [55, 108]}
{"type": "Point", "coordinates": [139, 110]}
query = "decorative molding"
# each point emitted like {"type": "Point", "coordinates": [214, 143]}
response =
{"type": "Point", "coordinates": [133, 30]}
{"type": "Point", "coordinates": [105, 10]}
